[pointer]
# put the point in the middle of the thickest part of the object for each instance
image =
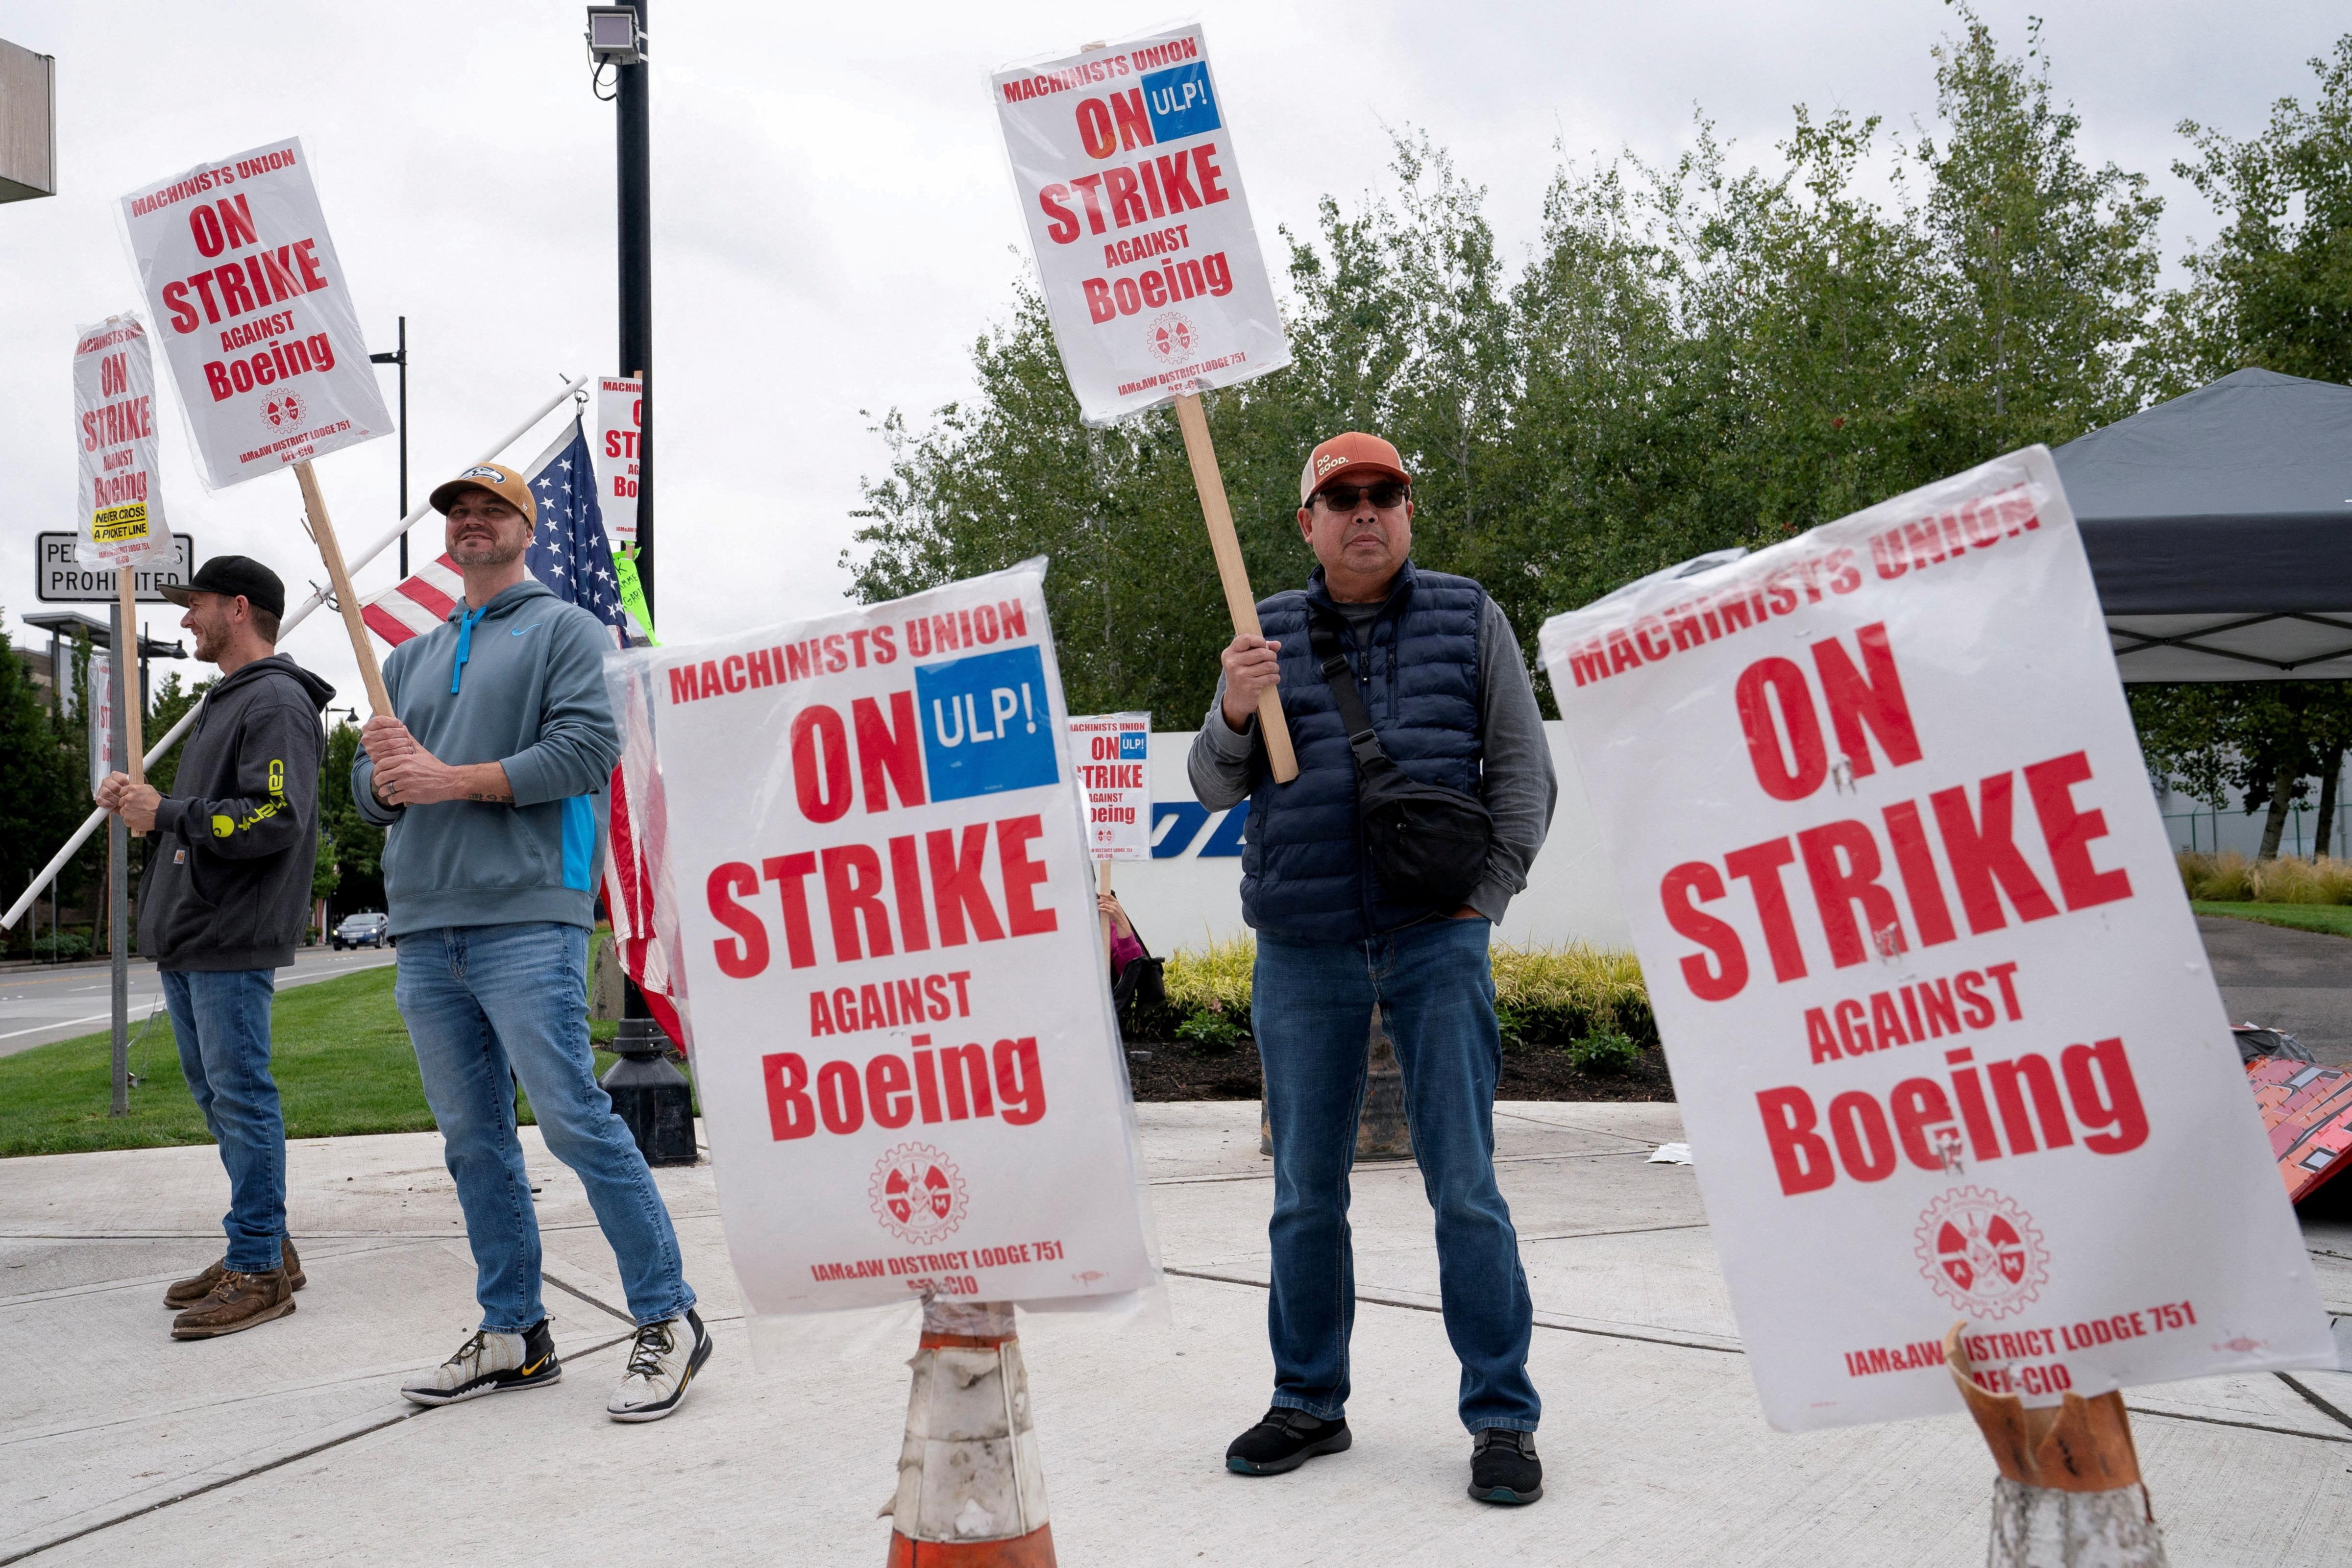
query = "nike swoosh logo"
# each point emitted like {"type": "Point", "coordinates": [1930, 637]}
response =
{"type": "Point", "coordinates": [532, 627]}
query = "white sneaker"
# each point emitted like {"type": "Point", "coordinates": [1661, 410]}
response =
{"type": "Point", "coordinates": [661, 1364]}
{"type": "Point", "coordinates": [489, 1362]}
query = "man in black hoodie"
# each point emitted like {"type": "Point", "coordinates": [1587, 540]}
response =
{"type": "Point", "coordinates": [226, 897]}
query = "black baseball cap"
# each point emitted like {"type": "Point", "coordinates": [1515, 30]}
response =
{"type": "Point", "coordinates": [230, 575]}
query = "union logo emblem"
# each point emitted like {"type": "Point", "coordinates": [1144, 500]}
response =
{"type": "Point", "coordinates": [1981, 1252]}
{"type": "Point", "coordinates": [1171, 335]}
{"type": "Point", "coordinates": [283, 410]}
{"type": "Point", "coordinates": [917, 1192]}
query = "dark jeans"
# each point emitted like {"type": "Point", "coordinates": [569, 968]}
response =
{"type": "Point", "coordinates": [489, 1006]}
{"type": "Point", "coordinates": [221, 1019]}
{"type": "Point", "coordinates": [1311, 1004]}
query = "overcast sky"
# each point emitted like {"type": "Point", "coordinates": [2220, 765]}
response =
{"type": "Point", "coordinates": [833, 220]}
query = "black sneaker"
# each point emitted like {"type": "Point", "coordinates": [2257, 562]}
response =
{"type": "Point", "coordinates": [490, 1364]}
{"type": "Point", "coordinates": [1285, 1440]}
{"type": "Point", "coordinates": [1504, 1467]}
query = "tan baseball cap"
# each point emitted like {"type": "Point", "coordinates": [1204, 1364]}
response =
{"type": "Point", "coordinates": [1343, 454]}
{"type": "Point", "coordinates": [501, 483]}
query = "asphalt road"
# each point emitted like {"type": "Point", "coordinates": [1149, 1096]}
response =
{"type": "Point", "coordinates": [2297, 981]}
{"type": "Point", "coordinates": [38, 1006]}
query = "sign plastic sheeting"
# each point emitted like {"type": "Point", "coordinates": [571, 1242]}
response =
{"type": "Point", "coordinates": [97, 709]}
{"type": "Point", "coordinates": [910, 1069]}
{"type": "Point", "coordinates": [245, 290]}
{"type": "Point", "coordinates": [620, 418]}
{"type": "Point", "coordinates": [1113, 753]}
{"type": "Point", "coordinates": [119, 514]}
{"type": "Point", "coordinates": [1946, 1041]}
{"type": "Point", "coordinates": [1123, 160]}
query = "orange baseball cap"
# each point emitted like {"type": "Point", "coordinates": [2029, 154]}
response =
{"type": "Point", "coordinates": [1344, 454]}
{"type": "Point", "coordinates": [501, 483]}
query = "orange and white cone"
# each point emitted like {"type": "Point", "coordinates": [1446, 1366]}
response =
{"type": "Point", "coordinates": [971, 1488]}
{"type": "Point", "coordinates": [2069, 1494]}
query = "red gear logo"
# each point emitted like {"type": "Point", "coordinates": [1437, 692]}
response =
{"type": "Point", "coordinates": [917, 1192]}
{"type": "Point", "coordinates": [1981, 1252]}
{"type": "Point", "coordinates": [283, 410]}
{"type": "Point", "coordinates": [1172, 337]}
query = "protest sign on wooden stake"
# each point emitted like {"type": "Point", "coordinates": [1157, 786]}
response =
{"type": "Point", "coordinates": [119, 516]}
{"type": "Point", "coordinates": [261, 333]}
{"type": "Point", "coordinates": [1124, 166]}
{"type": "Point", "coordinates": [909, 1070]}
{"type": "Point", "coordinates": [1945, 1036]}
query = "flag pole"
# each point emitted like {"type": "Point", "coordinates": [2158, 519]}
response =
{"type": "Point", "coordinates": [1231, 573]}
{"type": "Point", "coordinates": [294, 617]}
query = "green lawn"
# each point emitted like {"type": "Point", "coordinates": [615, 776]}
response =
{"type": "Point", "coordinates": [2331, 920]}
{"type": "Point", "coordinates": [339, 1051]}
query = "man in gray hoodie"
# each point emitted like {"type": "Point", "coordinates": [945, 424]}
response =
{"type": "Point", "coordinates": [226, 897]}
{"type": "Point", "coordinates": [491, 779]}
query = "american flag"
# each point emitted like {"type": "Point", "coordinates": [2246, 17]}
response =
{"type": "Point", "coordinates": [569, 553]}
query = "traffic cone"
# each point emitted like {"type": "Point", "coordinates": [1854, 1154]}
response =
{"type": "Point", "coordinates": [971, 1489]}
{"type": "Point", "coordinates": [2070, 1494]}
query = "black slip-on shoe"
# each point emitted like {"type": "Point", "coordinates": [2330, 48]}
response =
{"type": "Point", "coordinates": [490, 1364]}
{"type": "Point", "coordinates": [1504, 1467]}
{"type": "Point", "coordinates": [1285, 1440]}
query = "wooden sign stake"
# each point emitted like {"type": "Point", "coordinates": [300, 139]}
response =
{"type": "Point", "coordinates": [322, 531]}
{"type": "Point", "coordinates": [1239, 601]}
{"type": "Point", "coordinates": [126, 652]}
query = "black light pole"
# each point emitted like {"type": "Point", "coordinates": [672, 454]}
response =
{"type": "Point", "coordinates": [648, 1091]}
{"type": "Point", "coordinates": [399, 358]}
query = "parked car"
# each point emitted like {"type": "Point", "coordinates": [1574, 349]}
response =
{"type": "Point", "coordinates": [366, 929]}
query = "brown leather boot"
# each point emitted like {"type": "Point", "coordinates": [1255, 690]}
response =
{"type": "Point", "coordinates": [181, 1294]}
{"type": "Point", "coordinates": [239, 1301]}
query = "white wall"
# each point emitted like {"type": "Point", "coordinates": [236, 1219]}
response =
{"type": "Point", "coordinates": [1190, 889]}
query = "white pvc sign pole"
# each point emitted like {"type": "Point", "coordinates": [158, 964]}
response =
{"type": "Point", "coordinates": [243, 286]}
{"type": "Point", "coordinates": [620, 420]}
{"type": "Point", "coordinates": [1944, 1033]}
{"type": "Point", "coordinates": [1112, 753]}
{"type": "Point", "coordinates": [1124, 165]}
{"type": "Point", "coordinates": [910, 1075]}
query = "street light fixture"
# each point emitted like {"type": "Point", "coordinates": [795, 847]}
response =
{"type": "Point", "coordinates": [614, 36]}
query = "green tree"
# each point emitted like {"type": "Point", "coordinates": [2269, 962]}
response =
{"type": "Point", "coordinates": [2263, 739]}
{"type": "Point", "coordinates": [2274, 288]}
{"type": "Point", "coordinates": [350, 868]}
{"type": "Point", "coordinates": [41, 801]}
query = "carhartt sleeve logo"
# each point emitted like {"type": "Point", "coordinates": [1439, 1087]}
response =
{"type": "Point", "coordinates": [222, 826]}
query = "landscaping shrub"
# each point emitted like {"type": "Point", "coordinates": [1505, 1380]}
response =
{"type": "Point", "coordinates": [1570, 997]}
{"type": "Point", "coordinates": [64, 947]}
{"type": "Point", "coordinates": [2222, 878]}
{"type": "Point", "coordinates": [2232, 878]}
{"type": "Point", "coordinates": [1603, 1052]}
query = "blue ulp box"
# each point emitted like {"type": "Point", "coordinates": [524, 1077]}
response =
{"type": "Point", "coordinates": [1179, 101]}
{"type": "Point", "coordinates": [987, 725]}
{"type": "Point", "coordinates": [1134, 747]}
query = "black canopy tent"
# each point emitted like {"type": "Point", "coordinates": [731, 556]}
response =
{"type": "Point", "coordinates": [2219, 527]}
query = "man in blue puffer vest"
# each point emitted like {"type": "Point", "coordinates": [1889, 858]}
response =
{"type": "Point", "coordinates": [1442, 678]}
{"type": "Point", "coordinates": [491, 779]}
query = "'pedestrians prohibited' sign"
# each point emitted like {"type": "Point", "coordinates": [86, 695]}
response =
{"type": "Point", "coordinates": [63, 579]}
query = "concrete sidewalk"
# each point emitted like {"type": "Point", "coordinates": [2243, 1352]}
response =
{"type": "Point", "coordinates": [289, 1444]}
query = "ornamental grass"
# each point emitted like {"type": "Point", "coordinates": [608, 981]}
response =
{"type": "Point", "coordinates": [2230, 878]}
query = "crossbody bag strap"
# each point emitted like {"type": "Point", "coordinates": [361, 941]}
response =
{"type": "Point", "coordinates": [1340, 676]}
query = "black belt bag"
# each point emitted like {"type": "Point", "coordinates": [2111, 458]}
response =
{"type": "Point", "coordinates": [1428, 843]}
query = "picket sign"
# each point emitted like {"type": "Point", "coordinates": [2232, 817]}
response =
{"type": "Point", "coordinates": [902, 1024]}
{"type": "Point", "coordinates": [1112, 753]}
{"type": "Point", "coordinates": [620, 422]}
{"type": "Point", "coordinates": [262, 335]}
{"type": "Point", "coordinates": [119, 519]}
{"type": "Point", "coordinates": [1945, 1040]}
{"type": "Point", "coordinates": [1124, 166]}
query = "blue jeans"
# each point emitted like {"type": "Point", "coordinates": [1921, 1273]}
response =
{"type": "Point", "coordinates": [1311, 1004]}
{"type": "Point", "coordinates": [221, 1019]}
{"type": "Point", "coordinates": [489, 1006]}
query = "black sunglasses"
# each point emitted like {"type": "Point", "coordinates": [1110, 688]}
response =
{"type": "Point", "coordinates": [1385, 495]}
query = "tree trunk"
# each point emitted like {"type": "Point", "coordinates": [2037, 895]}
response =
{"type": "Point", "coordinates": [2281, 792]}
{"type": "Point", "coordinates": [2327, 806]}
